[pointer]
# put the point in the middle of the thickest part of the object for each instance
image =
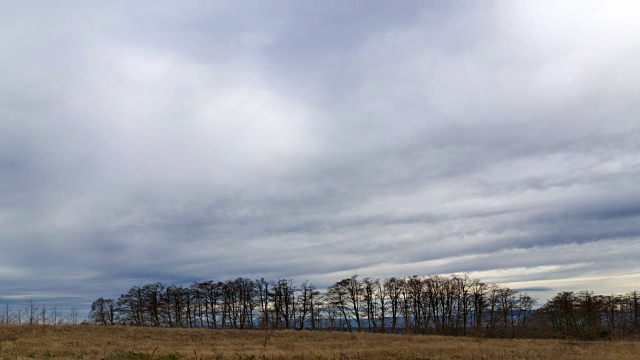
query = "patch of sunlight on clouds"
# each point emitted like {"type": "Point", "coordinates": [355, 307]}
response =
{"type": "Point", "coordinates": [499, 276]}
{"type": "Point", "coordinates": [9, 273]}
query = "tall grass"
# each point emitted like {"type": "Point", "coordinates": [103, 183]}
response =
{"type": "Point", "coordinates": [101, 342]}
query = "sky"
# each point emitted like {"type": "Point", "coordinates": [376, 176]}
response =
{"type": "Point", "coordinates": [145, 141]}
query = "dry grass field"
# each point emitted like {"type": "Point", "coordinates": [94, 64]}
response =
{"type": "Point", "coordinates": [95, 342]}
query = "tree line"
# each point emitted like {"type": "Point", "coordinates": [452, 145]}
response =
{"type": "Point", "coordinates": [34, 313]}
{"type": "Point", "coordinates": [444, 305]}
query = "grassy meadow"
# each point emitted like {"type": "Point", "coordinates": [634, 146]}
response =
{"type": "Point", "coordinates": [98, 342]}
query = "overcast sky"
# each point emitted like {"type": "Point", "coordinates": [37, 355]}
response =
{"type": "Point", "coordinates": [145, 141]}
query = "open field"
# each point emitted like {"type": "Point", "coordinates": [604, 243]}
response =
{"type": "Point", "coordinates": [95, 342]}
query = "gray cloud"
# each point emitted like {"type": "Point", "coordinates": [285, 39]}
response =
{"type": "Point", "coordinates": [155, 141]}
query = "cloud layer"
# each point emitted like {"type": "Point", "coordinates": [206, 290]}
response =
{"type": "Point", "coordinates": [156, 141]}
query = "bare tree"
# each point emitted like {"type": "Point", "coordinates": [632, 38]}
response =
{"type": "Point", "coordinates": [305, 304]}
{"type": "Point", "coordinates": [631, 306]}
{"type": "Point", "coordinates": [524, 309]}
{"type": "Point", "coordinates": [7, 315]}
{"type": "Point", "coordinates": [394, 288]}
{"type": "Point", "coordinates": [55, 316]}
{"type": "Point", "coordinates": [74, 315]}
{"type": "Point", "coordinates": [43, 314]}
{"type": "Point", "coordinates": [336, 296]}
{"type": "Point", "coordinates": [478, 295]}
{"type": "Point", "coordinates": [103, 311]}
{"type": "Point", "coordinates": [493, 305]}
{"type": "Point", "coordinates": [284, 303]}
{"type": "Point", "coordinates": [31, 312]}
{"type": "Point", "coordinates": [371, 300]}
{"type": "Point", "coordinates": [355, 292]}
{"type": "Point", "coordinates": [383, 295]}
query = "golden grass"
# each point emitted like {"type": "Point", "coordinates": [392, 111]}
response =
{"type": "Point", "coordinates": [96, 342]}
